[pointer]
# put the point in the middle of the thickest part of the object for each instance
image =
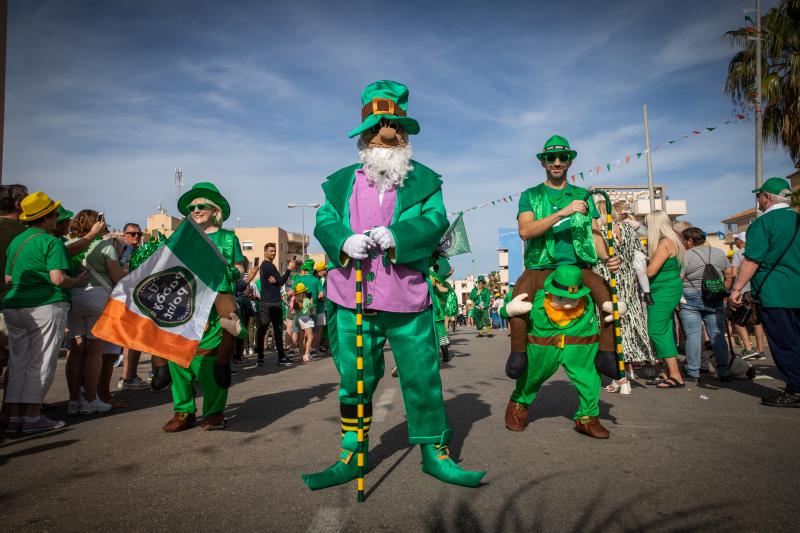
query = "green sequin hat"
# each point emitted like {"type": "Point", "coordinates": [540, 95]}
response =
{"type": "Point", "coordinates": [385, 99]}
{"type": "Point", "coordinates": [204, 189]}
{"type": "Point", "coordinates": [557, 145]}
{"type": "Point", "coordinates": [566, 281]}
{"type": "Point", "coordinates": [64, 214]}
{"type": "Point", "coordinates": [308, 265]}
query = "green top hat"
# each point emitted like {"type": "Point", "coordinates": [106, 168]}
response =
{"type": "Point", "coordinates": [775, 186]}
{"type": "Point", "coordinates": [566, 281]}
{"type": "Point", "coordinates": [385, 99]}
{"type": "Point", "coordinates": [64, 214]}
{"type": "Point", "coordinates": [481, 278]}
{"type": "Point", "coordinates": [557, 145]}
{"type": "Point", "coordinates": [204, 189]}
{"type": "Point", "coordinates": [443, 267]}
{"type": "Point", "coordinates": [308, 265]}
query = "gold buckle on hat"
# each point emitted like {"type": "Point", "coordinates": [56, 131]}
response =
{"type": "Point", "coordinates": [573, 289]}
{"type": "Point", "coordinates": [377, 105]}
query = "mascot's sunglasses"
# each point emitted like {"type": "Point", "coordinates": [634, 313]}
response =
{"type": "Point", "coordinates": [198, 207]}
{"type": "Point", "coordinates": [563, 157]}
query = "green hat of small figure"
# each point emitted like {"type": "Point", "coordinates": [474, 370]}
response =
{"type": "Point", "coordinates": [481, 279]}
{"type": "Point", "coordinates": [64, 214]}
{"type": "Point", "coordinates": [557, 145]}
{"type": "Point", "coordinates": [385, 99]}
{"type": "Point", "coordinates": [207, 190]}
{"type": "Point", "coordinates": [566, 281]}
{"type": "Point", "coordinates": [775, 186]}
{"type": "Point", "coordinates": [443, 267]}
{"type": "Point", "coordinates": [308, 265]}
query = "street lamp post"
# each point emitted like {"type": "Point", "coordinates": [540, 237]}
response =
{"type": "Point", "coordinates": [302, 207]}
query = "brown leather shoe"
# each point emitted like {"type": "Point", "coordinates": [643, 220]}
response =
{"type": "Point", "coordinates": [590, 425]}
{"type": "Point", "coordinates": [516, 416]}
{"type": "Point", "coordinates": [213, 422]}
{"type": "Point", "coordinates": [179, 422]}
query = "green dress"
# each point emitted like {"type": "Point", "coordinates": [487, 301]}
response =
{"type": "Point", "coordinates": [666, 288]}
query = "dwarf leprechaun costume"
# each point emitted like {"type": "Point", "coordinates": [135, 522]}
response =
{"type": "Point", "coordinates": [481, 297]}
{"type": "Point", "coordinates": [399, 203]}
{"type": "Point", "coordinates": [562, 331]}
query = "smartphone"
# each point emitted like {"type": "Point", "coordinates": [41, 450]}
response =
{"type": "Point", "coordinates": [255, 262]}
{"type": "Point", "coordinates": [101, 216]}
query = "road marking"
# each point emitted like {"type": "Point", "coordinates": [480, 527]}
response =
{"type": "Point", "coordinates": [381, 408]}
{"type": "Point", "coordinates": [327, 520]}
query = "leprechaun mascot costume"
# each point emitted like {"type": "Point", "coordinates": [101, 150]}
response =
{"type": "Point", "coordinates": [563, 330]}
{"type": "Point", "coordinates": [481, 297]}
{"type": "Point", "coordinates": [211, 366]}
{"type": "Point", "coordinates": [386, 212]}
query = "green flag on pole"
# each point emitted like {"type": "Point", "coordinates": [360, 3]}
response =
{"type": "Point", "coordinates": [455, 241]}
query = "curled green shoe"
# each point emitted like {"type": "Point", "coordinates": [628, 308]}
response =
{"type": "Point", "coordinates": [343, 470]}
{"type": "Point", "coordinates": [436, 462]}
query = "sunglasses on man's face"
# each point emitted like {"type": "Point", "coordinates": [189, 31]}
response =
{"type": "Point", "coordinates": [198, 207]}
{"type": "Point", "coordinates": [134, 233]}
{"type": "Point", "coordinates": [551, 158]}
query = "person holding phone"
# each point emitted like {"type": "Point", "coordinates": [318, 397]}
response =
{"type": "Point", "coordinates": [271, 312]}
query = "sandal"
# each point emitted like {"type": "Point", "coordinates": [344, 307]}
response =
{"type": "Point", "coordinates": [657, 380]}
{"type": "Point", "coordinates": [616, 386]}
{"type": "Point", "coordinates": [670, 383]}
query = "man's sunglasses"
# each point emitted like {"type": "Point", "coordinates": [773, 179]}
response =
{"type": "Point", "coordinates": [198, 207]}
{"type": "Point", "coordinates": [134, 233]}
{"type": "Point", "coordinates": [563, 157]}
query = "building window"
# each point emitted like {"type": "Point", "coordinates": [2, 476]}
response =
{"type": "Point", "coordinates": [247, 245]}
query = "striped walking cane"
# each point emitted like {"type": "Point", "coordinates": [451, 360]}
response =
{"type": "Point", "coordinates": [361, 452]}
{"type": "Point", "coordinates": [613, 281]}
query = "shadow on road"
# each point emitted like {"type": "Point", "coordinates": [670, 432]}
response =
{"type": "Point", "coordinates": [258, 412]}
{"type": "Point", "coordinates": [560, 399]}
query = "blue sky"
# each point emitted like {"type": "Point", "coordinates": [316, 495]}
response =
{"type": "Point", "coordinates": [105, 98]}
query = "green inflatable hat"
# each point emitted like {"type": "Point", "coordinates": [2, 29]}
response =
{"type": "Point", "coordinates": [204, 189]}
{"type": "Point", "coordinates": [308, 265]}
{"type": "Point", "coordinates": [385, 99]}
{"type": "Point", "coordinates": [64, 214]}
{"type": "Point", "coordinates": [557, 145]}
{"type": "Point", "coordinates": [775, 186]}
{"type": "Point", "coordinates": [566, 281]}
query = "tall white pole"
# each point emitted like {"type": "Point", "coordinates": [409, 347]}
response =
{"type": "Point", "coordinates": [759, 126]}
{"type": "Point", "coordinates": [649, 162]}
{"type": "Point", "coordinates": [303, 230]}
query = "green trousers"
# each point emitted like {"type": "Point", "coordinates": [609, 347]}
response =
{"type": "Point", "coordinates": [578, 363]}
{"type": "Point", "coordinates": [416, 354]}
{"type": "Point", "coordinates": [201, 369]}
{"type": "Point", "coordinates": [481, 318]}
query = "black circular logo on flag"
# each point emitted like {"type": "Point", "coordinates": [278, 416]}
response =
{"type": "Point", "coordinates": [167, 297]}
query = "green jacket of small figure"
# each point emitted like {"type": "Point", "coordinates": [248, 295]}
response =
{"type": "Point", "coordinates": [541, 250]}
{"type": "Point", "coordinates": [540, 324]}
{"type": "Point", "coordinates": [418, 222]}
{"type": "Point", "coordinates": [482, 297]}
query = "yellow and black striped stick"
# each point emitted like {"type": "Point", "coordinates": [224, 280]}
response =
{"type": "Point", "coordinates": [361, 451]}
{"type": "Point", "coordinates": [613, 281]}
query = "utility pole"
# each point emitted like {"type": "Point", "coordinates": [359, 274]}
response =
{"type": "Point", "coordinates": [302, 207]}
{"type": "Point", "coordinates": [649, 162]}
{"type": "Point", "coordinates": [179, 181]}
{"type": "Point", "coordinates": [759, 126]}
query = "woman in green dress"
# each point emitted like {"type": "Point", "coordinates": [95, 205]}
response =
{"type": "Point", "coordinates": [666, 254]}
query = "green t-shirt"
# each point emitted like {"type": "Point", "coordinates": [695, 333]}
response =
{"type": "Point", "coordinates": [767, 238]}
{"type": "Point", "coordinates": [95, 256]}
{"type": "Point", "coordinates": [559, 199]}
{"type": "Point", "coordinates": [31, 285]}
{"type": "Point", "coordinates": [313, 287]}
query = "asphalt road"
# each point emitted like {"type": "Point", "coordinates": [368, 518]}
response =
{"type": "Point", "coordinates": [700, 458]}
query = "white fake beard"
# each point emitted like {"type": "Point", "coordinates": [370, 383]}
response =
{"type": "Point", "coordinates": [385, 167]}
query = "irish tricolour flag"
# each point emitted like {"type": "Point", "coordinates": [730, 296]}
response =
{"type": "Point", "coordinates": [162, 307]}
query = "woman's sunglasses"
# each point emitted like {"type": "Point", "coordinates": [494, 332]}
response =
{"type": "Point", "coordinates": [198, 207]}
{"type": "Point", "coordinates": [563, 157]}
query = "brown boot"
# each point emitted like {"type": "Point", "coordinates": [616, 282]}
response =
{"type": "Point", "coordinates": [516, 416]}
{"type": "Point", "coordinates": [179, 422]}
{"type": "Point", "coordinates": [590, 425]}
{"type": "Point", "coordinates": [212, 422]}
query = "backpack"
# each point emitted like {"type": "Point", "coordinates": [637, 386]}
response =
{"type": "Point", "coordinates": [712, 285]}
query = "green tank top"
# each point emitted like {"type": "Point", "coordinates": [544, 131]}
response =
{"type": "Point", "coordinates": [669, 274]}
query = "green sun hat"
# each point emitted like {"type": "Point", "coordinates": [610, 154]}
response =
{"type": "Point", "coordinates": [64, 214]}
{"type": "Point", "coordinates": [204, 189]}
{"type": "Point", "coordinates": [385, 99]}
{"type": "Point", "coordinates": [308, 265]}
{"type": "Point", "coordinates": [775, 186]}
{"type": "Point", "coordinates": [566, 281]}
{"type": "Point", "coordinates": [557, 145]}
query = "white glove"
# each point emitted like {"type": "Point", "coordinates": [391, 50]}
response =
{"type": "Point", "coordinates": [639, 261]}
{"type": "Point", "coordinates": [608, 307]}
{"type": "Point", "coordinates": [357, 246]}
{"type": "Point", "coordinates": [382, 237]}
{"type": "Point", "coordinates": [232, 324]}
{"type": "Point", "coordinates": [517, 307]}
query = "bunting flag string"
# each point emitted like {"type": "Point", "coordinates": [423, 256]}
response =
{"type": "Point", "coordinates": [738, 117]}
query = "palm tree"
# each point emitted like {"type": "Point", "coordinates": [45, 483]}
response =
{"type": "Point", "coordinates": [493, 281]}
{"type": "Point", "coordinates": [780, 83]}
